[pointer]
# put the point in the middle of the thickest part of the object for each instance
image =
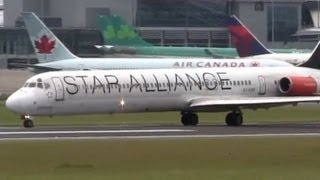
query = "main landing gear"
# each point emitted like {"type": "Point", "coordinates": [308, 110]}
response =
{"type": "Point", "coordinates": [189, 118]}
{"type": "Point", "coordinates": [234, 119]}
{"type": "Point", "coordinates": [27, 121]}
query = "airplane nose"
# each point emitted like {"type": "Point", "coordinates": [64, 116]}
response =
{"type": "Point", "coordinates": [13, 104]}
{"type": "Point", "coordinates": [17, 103]}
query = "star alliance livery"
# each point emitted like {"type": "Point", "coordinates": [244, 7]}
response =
{"type": "Point", "coordinates": [54, 56]}
{"type": "Point", "coordinates": [186, 90]}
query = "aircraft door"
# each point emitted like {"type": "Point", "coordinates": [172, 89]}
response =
{"type": "Point", "coordinates": [262, 83]}
{"type": "Point", "coordinates": [58, 86]}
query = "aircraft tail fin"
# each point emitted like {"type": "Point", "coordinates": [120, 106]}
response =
{"type": "Point", "coordinates": [46, 45]}
{"type": "Point", "coordinates": [314, 60]}
{"type": "Point", "coordinates": [243, 39]}
{"type": "Point", "coordinates": [116, 31]}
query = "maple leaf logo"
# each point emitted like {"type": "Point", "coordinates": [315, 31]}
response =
{"type": "Point", "coordinates": [45, 45]}
{"type": "Point", "coordinates": [255, 64]}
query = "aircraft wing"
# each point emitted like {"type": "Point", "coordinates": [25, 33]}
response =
{"type": "Point", "coordinates": [36, 67]}
{"type": "Point", "coordinates": [208, 104]}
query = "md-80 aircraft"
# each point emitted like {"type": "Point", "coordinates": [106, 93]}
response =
{"type": "Point", "coordinates": [53, 55]}
{"type": "Point", "coordinates": [186, 90]}
{"type": "Point", "coordinates": [248, 45]}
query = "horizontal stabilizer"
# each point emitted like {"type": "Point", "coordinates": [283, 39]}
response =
{"type": "Point", "coordinates": [35, 67]}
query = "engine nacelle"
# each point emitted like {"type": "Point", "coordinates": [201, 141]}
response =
{"type": "Point", "coordinates": [298, 86]}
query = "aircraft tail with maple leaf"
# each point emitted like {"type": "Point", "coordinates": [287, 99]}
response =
{"type": "Point", "coordinates": [46, 45]}
{"type": "Point", "coordinates": [116, 31]}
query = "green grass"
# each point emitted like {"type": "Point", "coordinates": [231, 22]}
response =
{"type": "Point", "coordinates": [237, 158]}
{"type": "Point", "coordinates": [303, 113]}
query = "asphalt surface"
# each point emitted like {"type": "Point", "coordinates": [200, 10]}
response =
{"type": "Point", "coordinates": [157, 131]}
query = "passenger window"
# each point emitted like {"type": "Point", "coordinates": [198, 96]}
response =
{"type": "Point", "coordinates": [238, 83]}
{"type": "Point", "coordinates": [246, 82]}
{"type": "Point", "coordinates": [249, 82]}
{"type": "Point", "coordinates": [39, 85]}
{"type": "Point", "coordinates": [127, 85]}
{"type": "Point", "coordinates": [241, 83]}
{"type": "Point", "coordinates": [47, 86]}
{"type": "Point", "coordinates": [234, 83]}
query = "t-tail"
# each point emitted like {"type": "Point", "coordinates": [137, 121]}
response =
{"type": "Point", "coordinates": [243, 39]}
{"type": "Point", "coordinates": [46, 45]}
{"type": "Point", "coordinates": [117, 32]}
{"type": "Point", "coordinates": [314, 60]}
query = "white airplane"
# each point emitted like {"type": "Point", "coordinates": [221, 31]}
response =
{"type": "Point", "coordinates": [186, 90]}
{"type": "Point", "coordinates": [54, 56]}
{"type": "Point", "coordinates": [248, 45]}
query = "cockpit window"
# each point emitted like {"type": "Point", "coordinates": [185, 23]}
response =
{"type": "Point", "coordinates": [39, 85]}
{"type": "Point", "coordinates": [46, 85]}
{"type": "Point", "coordinates": [33, 84]}
{"type": "Point", "coordinates": [26, 85]}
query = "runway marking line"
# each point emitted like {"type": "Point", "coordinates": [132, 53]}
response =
{"type": "Point", "coordinates": [165, 136]}
{"type": "Point", "coordinates": [96, 131]}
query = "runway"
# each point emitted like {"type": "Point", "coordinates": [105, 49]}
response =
{"type": "Point", "coordinates": [157, 131]}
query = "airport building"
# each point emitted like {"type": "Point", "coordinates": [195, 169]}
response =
{"type": "Point", "coordinates": [164, 23]}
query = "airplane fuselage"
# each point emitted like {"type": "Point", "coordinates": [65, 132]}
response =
{"type": "Point", "coordinates": [156, 63]}
{"type": "Point", "coordinates": [88, 92]}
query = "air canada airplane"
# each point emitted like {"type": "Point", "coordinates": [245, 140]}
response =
{"type": "Point", "coordinates": [248, 45]}
{"type": "Point", "coordinates": [186, 90]}
{"type": "Point", "coordinates": [54, 56]}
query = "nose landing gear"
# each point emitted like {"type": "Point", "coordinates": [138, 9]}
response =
{"type": "Point", "coordinates": [27, 121]}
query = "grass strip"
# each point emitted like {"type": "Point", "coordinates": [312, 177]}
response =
{"type": "Point", "coordinates": [223, 159]}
